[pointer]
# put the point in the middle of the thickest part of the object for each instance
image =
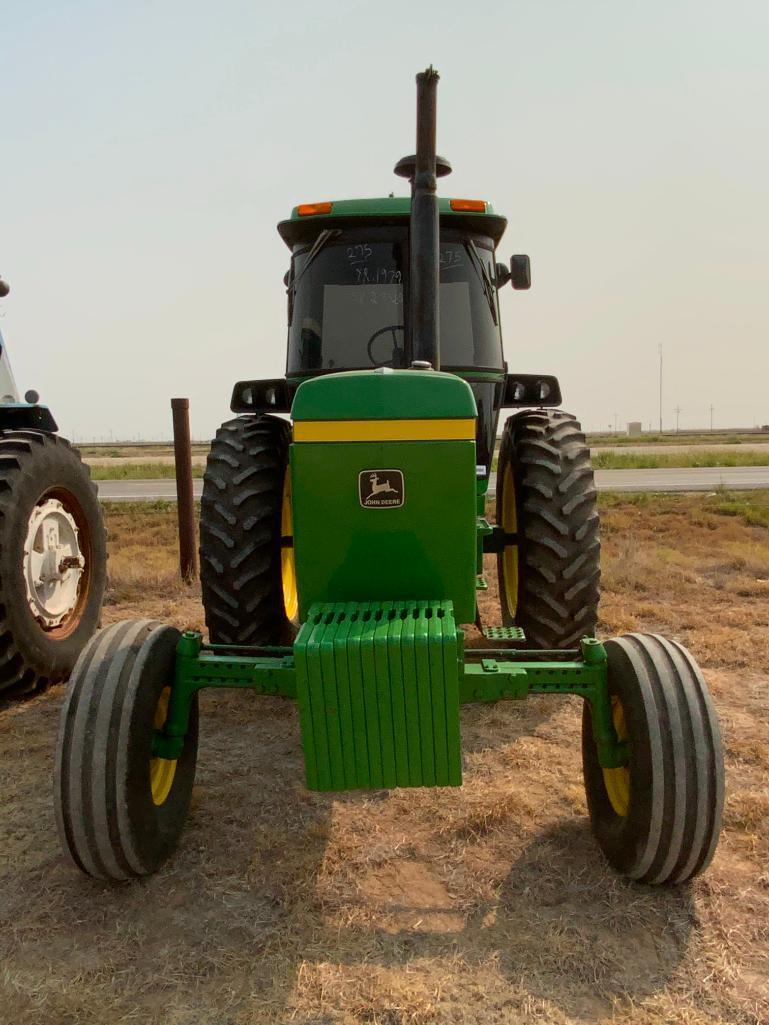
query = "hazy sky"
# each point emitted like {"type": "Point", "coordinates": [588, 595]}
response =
{"type": "Point", "coordinates": [147, 151]}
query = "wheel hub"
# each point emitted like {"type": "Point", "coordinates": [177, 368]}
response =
{"type": "Point", "coordinates": [53, 563]}
{"type": "Point", "coordinates": [162, 770]}
{"type": "Point", "coordinates": [617, 781]}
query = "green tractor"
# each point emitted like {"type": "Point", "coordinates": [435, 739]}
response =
{"type": "Point", "coordinates": [342, 552]}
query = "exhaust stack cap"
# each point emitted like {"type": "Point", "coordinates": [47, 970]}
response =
{"type": "Point", "coordinates": [407, 166]}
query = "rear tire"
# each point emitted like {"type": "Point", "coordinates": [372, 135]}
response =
{"type": "Point", "coordinates": [548, 580]}
{"type": "Point", "coordinates": [675, 774]}
{"type": "Point", "coordinates": [242, 561]}
{"type": "Point", "coordinates": [111, 820]}
{"type": "Point", "coordinates": [45, 487]}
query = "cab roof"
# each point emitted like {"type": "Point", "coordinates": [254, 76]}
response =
{"type": "Point", "coordinates": [387, 210]}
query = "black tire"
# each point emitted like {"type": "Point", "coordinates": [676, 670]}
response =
{"type": "Point", "coordinates": [36, 468]}
{"type": "Point", "coordinates": [676, 771]}
{"type": "Point", "coordinates": [549, 580]}
{"type": "Point", "coordinates": [108, 821]}
{"type": "Point", "coordinates": [240, 532]}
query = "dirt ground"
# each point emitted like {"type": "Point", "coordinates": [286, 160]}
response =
{"type": "Point", "coordinates": [488, 904]}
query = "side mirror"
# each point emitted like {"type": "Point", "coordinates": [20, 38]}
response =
{"type": "Point", "coordinates": [4, 288]}
{"type": "Point", "coordinates": [520, 272]}
{"type": "Point", "coordinates": [503, 274]}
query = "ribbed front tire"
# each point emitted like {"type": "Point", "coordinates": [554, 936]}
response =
{"type": "Point", "coordinates": [119, 812]}
{"type": "Point", "coordinates": [657, 820]}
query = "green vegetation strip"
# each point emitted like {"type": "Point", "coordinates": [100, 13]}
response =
{"type": "Point", "coordinates": [753, 437]}
{"type": "Point", "coordinates": [139, 471]}
{"type": "Point", "coordinates": [752, 507]}
{"type": "Point", "coordinates": [657, 460]}
{"type": "Point", "coordinates": [601, 461]}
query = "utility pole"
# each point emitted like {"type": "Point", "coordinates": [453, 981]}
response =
{"type": "Point", "coordinates": [678, 414]}
{"type": "Point", "coordinates": [712, 407]}
{"type": "Point", "coordinates": [660, 387]}
{"type": "Point", "coordinates": [615, 423]}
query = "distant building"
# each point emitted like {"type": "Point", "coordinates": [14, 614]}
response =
{"type": "Point", "coordinates": [634, 428]}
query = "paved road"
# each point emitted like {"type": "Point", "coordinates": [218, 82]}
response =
{"type": "Point", "coordinates": [700, 478]}
{"type": "Point", "coordinates": [663, 449]}
{"type": "Point", "coordinates": [695, 478]}
{"type": "Point", "coordinates": [143, 490]}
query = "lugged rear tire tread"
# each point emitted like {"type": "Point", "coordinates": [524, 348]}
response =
{"type": "Point", "coordinates": [558, 528]}
{"type": "Point", "coordinates": [240, 522]}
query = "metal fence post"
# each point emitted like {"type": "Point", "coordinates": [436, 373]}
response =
{"type": "Point", "coordinates": [188, 556]}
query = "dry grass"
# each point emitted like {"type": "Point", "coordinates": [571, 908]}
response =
{"type": "Point", "coordinates": [488, 904]}
{"type": "Point", "coordinates": [696, 568]}
{"type": "Point", "coordinates": [143, 565]}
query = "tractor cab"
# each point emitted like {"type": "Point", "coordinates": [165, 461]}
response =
{"type": "Point", "coordinates": [348, 294]}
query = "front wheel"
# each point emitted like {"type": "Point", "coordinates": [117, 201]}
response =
{"type": "Point", "coordinates": [119, 809]}
{"type": "Point", "coordinates": [658, 818]}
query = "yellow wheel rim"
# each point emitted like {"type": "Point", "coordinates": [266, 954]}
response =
{"type": "Point", "coordinates": [617, 781]}
{"type": "Point", "coordinates": [162, 770]}
{"type": "Point", "coordinates": [287, 563]}
{"type": "Point", "coordinates": [508, 521]}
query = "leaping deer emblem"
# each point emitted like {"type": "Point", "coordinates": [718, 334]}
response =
{"type": "Point", "coordinates": [379, 488]}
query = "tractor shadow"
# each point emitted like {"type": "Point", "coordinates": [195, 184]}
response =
{"type": "Point", "coordinates": [564, 929]}
{"type": "Point", "coordinates": [492, 726]}
{"type": "Point", "coordinates": [588, 933]}
{"type": "Point", "coordinates": [224, 925]}
{"type": "Point", "coordinates": [273, 891]}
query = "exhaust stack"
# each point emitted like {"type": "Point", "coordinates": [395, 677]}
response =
{"type": "Point", "coordinates": [424, 229]}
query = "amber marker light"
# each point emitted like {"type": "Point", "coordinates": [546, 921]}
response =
{"type": "Point", "coordinates": [308, 209]}
{"type": "Point", "coordinates": [477, 206]}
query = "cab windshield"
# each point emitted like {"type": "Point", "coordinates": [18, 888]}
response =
{"type": "Point", "coordinates": [348, 298]}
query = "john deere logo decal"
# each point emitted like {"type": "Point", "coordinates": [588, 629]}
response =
{"type": "Point", "coordinates": [380, 489]}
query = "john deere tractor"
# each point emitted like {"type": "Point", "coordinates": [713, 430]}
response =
{"type": "Point", "coordinates": [342, 556]}
{"type": "Point", "coordinates": [53, 557]}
